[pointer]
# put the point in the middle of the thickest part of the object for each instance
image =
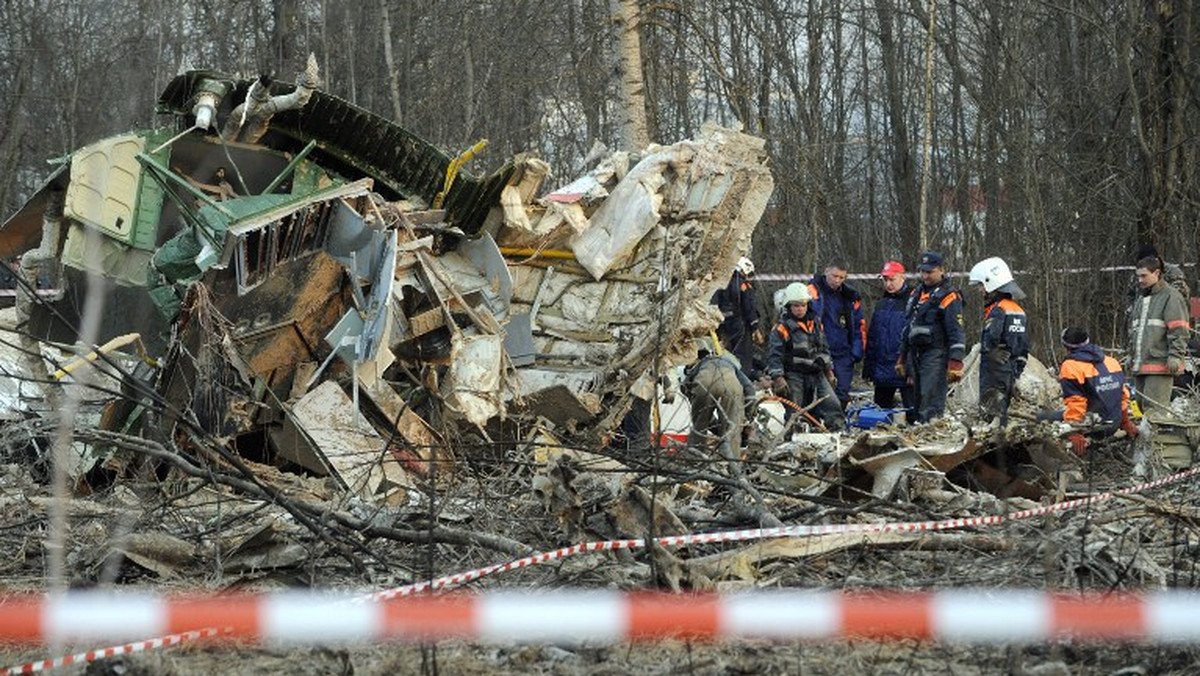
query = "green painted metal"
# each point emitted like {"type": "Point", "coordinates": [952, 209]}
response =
{"type": "Point", "coordinates": [291, 166]}
{"type": "Point", "coordinates": [150, 196]}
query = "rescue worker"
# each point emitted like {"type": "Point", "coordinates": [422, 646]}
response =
{"type": "Point", "coordinates": [738, 306]}
{"type": "Point", "coordinates": [1004, 345]}
{"type": "Point", "coordinates": [721, 396]}
{"type": "Point", "coordinates": [883, 340]}
{"type": "Point", "coordinates": [798, 360]}
{"type": "Point", "coordinates": [932, 345]}
{"type": "Point", "coordinates": [838, 306]}
{"type": "Point", "coordinates": [1092, 383]}
{"type": "Point", "coordinates": [1158, 331]}
{"type": "Point", "coordinates": [1172, 274]}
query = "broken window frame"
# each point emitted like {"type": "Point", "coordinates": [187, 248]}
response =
{"type": "Point", "coordinates": [280, 238]}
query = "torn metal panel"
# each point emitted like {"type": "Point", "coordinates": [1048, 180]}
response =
{"type": "Point", "coordinates": [335, 438]}
{"type": "Point", "coordinates": [124, 265]}
{"type": "Point", "coordinates": [23, 230]}
{"type": "Point", "coordinates": [488, 261]}
{"type": "Point", "coordinates": [107, 190]}
{"type": "Point", "coordinates": [352, 241]}
{"type": "Point", "coordinates": [563, 397]}
{"type": "Point", "coordinates": [518, 340]}
{"type": "Point", "coordinates": [276, 265]}
{"type": "Point", "coordinates": [353, 140]}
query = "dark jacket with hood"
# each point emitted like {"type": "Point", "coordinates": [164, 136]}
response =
{"type": "Point", "coordinates": [1092, 382]}
{"type": "Point", "coordinates": [797, 346]}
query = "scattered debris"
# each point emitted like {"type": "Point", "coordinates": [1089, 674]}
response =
{"type": "Point", "coordinates": [311, 351]}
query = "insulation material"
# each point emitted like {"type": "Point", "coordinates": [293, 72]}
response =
{"type": "Point", "coordinates": [627, 215]}
{"type": "Point", "coordinates": [474, 380]}
{"type": "Point", "coordinates": [1037, 389]}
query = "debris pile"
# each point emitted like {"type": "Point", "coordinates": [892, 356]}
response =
{"type": "Point", "coordinates": [321, 302]}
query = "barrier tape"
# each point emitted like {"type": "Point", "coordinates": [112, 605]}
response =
{"type": "Point", "coordinates": [576, 616]}
{"type": "Point", "coordinates": [777, 532]}
{"type": "Point", "coordinates": [808, 276]}
{"type": "Point", "coordinates": [610, 545]}
{"type": "Point", "coordinates": [125, 649]}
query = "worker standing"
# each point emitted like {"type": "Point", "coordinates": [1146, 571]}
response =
{"type": "Point", "coordinates": [883, 340]}
{"type": "Point", "coordinates": [838, 306]}
{"type": "Point", "coordinates": [1158, 329]}
{"type": "Point", "coordinates": [1004, 344]}
{"type": "Point", "coordinates": [932, 345]}
{"type": "Point", "coordinates": [1172, 274]}
{"type": "Point", "coordinates": [798, 360]}
{"type": "Point", "coordinates": [739, 308]}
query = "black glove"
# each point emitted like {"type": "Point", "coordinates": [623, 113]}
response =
{"type": "Point", "coordinates": [780, 387]}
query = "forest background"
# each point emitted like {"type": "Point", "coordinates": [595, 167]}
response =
{"type": "Point", "coordinates": [1057, 134]}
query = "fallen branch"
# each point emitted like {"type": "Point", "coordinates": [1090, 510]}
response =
{"type": "Point", "coordinates": [312, 515]}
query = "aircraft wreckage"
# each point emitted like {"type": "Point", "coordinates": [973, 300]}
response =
{"type": "Point", "coordinates": [303, 277]}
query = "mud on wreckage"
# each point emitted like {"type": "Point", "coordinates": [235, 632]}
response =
{"type": "Point", "coordinates": [309, 283]}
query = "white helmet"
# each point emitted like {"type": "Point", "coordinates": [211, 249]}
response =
{"type": "Point", "coordinates": [745, 266]}
{"type": "Point", "coordinates": [796, 292]}
{"type": "Point", "coordinates": [992, 273]}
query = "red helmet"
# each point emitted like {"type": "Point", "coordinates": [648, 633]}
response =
{"type": "Point", "coordinates": [891, 268]}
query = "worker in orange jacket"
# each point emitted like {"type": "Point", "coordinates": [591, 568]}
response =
{"type": "Point", "coordinates": [1092, 383]}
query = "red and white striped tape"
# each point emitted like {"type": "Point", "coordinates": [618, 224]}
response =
{"type": "Point", "coordinates": [124, 649]}
{"type": "Point", "coordinates": [808, 276]}
{"type": "Point", "coordinates": [972, 616]}
{"type": "Point", "coordinates": [779, 532]}
{"type": "Point", "coordinates": [609, 545]}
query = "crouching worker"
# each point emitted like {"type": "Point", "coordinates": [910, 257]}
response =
{"type": "Point", "coordinates": [798, 361]}
{"type": "Point", "coordinates": [721, 397]}
{"type": "Point", "coordinates": [1092, 383]}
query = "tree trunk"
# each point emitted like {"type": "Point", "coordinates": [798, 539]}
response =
{"type": "Point", "coordinates": [389, 60]}
{"type": "Point", "coordinates": [631, 91]}
{"type": "Point", "coordinates": [286, 14]}
{"type": "Point", "coordinates": [903, 169]}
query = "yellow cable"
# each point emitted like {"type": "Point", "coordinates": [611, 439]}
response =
{"type": "Point", "coordinates": [716, 343]}
{"type": "Point", "coordinates": [452, 170]}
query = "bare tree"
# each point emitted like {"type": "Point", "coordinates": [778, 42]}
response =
{"type": "Point", "coordinates": [631, 91]}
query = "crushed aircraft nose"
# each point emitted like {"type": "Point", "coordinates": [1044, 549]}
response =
{"type": "Point", "coordinates": [331, 277]}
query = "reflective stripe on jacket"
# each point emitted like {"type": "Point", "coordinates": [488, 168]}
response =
{"type": "Point", "coordinates": [1158, 328]}
{"type": "Point", "coordinates": [1004, 328]}
{"type": "Point", "coordinates": [934, 319]}
{"type": "Point", "coordinates": [841, 316]}
{"type": "Point", "coordinates": [797, 346]}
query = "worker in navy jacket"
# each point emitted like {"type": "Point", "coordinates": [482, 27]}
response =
{"type": "Point", "coordinates": [1004, 343]}
{"type": "Point", "coordinates": [933, 345]}
{"type": "Point", "coordinates": [739, 307]}
{"type": "Point", "coordinates": [883, 340]}
{"type": "Point", "coordinates": [839, 308]}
